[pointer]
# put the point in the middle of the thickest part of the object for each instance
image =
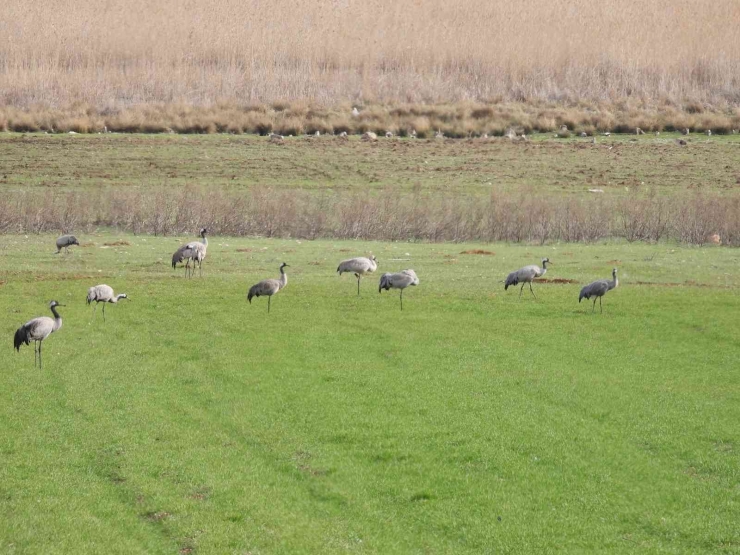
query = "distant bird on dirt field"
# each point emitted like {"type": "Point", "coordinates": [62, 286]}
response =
{"type": "Point", "coordinates": [269, 287]}
{"type": "Point", "coordinates": [358, 266]}
{"type": "Point", "coordinates": [526, 275]}
{"type": "Point", "coordinates": [599, 289]}
{"type": "Point", "coordinates": [401, 281]}
{"type": "Point", "coordinates": [195, 251]}
{"type": "Point", "coordinates": [66, 241]}
{"type": "Point", "coordinates": [103, 294]}
{"type": "Point", "coordinates": [37, 330]}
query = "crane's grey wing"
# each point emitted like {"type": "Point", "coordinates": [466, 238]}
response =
{"type": "Point", "coordinates": [596, 288]}
{"type": "Point", "coordinates": [183, 253]}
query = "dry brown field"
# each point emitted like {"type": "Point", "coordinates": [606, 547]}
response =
{"type": "Point", "coordinates": [149, 66]}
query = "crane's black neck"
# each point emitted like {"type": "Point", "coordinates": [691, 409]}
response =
{"type": "Point", "coordinates": [55, 313]}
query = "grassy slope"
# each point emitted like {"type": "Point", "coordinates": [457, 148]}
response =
{"type": "Point", "coordinates": [193, 422]}
{"type": "Point", "coordinates": [63, 162]}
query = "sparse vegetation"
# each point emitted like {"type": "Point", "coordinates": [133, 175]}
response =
{"type": "Point", "coordinates": [399, 189]}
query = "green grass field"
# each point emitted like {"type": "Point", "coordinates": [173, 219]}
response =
{"type": "Point", "coordinates": [471, 167]}
{"type": "Point", "coordinates": [471, 422]}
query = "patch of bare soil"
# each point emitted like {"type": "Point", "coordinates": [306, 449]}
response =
{"type": "Point", "coordinates": [479, 251]}
{"type": "Point", "coordinates": [117, 244]}
{"type": "Point", "coordinates": [556, 280]}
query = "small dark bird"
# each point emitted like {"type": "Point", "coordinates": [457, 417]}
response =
{"type": "Point", "coordinates": [269, 287]}
{"type": "Point", "coordinates": [598, 289]}
{"type": "Point", "coordinates": [37, 330]}
{"type": "Point", "coordinates": [64, 242]}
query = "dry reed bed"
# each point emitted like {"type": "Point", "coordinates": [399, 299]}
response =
{"type": "Point", "coordinates": [462, 119]}
{"type": "Point", "coordinates": [117, 55]}
{"type": "Point", "coordinates": [389, 215]}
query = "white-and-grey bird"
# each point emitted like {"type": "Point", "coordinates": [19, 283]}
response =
{"type": "Point", "coordinates": [269, 287]}
{"type": "Point", "coordinates": [400, 280]}
{"type": "Point", "coordinates": [103, 294]}
{"type": "Point", "coordinates": [195, 251]}
{"type": "Point", "coordinates": [37, 330]}
{"type": "Point", "coordinates": [599, 289]}
{"type": "Point", "coordinates": [66, 241]}
{"type": "Point", "coordinates": [526, 275]}
{"type": "Point", "coordinates": [358, 266]}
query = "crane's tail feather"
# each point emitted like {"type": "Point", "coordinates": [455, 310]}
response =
{"type": "Point", "coordinates": [21, 337]}
{"type": "Point", "coordinates": [511, 280]}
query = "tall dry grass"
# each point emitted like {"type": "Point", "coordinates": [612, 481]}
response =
{"type": "Point", "coordinates": [111, 55]}
{"type": "Point", "coordinates": [388, 216]}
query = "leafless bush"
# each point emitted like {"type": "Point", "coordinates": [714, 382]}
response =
{"type": "Point", "coordinates": [388, 214]}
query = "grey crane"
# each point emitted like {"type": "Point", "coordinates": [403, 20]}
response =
{"type": "Point", "coordinates": [400, 280]}
{"type": "Point", "coordinates": [195, 251]}
{"type": "Point", "coordinates": [103, 294]}
{"type": "Point", "coordinates": [64, 242]}
{"type": "Point", "coordinates": [269, 287]}
{"type": "Point", "coordinates": [526, 275]}
{"type": "Point", "coordinates": [37, 330]}
{"type": "Point", "coordinates": [598, 289]}
{"type": "Point", "coordinates": [358, 266]}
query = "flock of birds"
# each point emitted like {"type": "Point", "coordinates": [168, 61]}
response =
{"type": "Point", "coordinates": [40, 328]}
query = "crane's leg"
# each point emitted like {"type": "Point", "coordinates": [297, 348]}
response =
{"type": "Point", "coordinates": [103, 312]}
{"type": "Point", "coordinates": [268, 303]}
{"type": "Point", "coordinates": [594, 307]}
{"type": "Point", "coordinates": [200, 269]}
{"type": "Point", "coordinates": [41, 366]}
{"type": "Point", "coordinates": [601, 309]}
{"type": "Point", "coordinates": [35, 348]}
{"type": "Point", "coordinates": [522, 289]}
{"type": "Point", "coordinates": [532, 290]}
{"type": "Point", "coordinates": [401, 299]}
{"type": "Point", "coordinates": [358, 284]}
{"type": "Point", "coordinates": [95, 309]}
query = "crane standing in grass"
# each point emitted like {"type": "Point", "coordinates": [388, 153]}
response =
{"type": "Point", "coordinates": [526, 275]}
{"type": "Point", "coordinates": [401, 281]}
{"type": "Point", "coordinates": [37, 330]}
{"type": "Point", "coordinates": [195, 251]}
{"type": "Point", "coordinates": [103, 294]}
{"type": "Point", "coordinates": [358, 266]}
{"type": "Point", "coordinates": [599, 289]}
{"type": "Point", "coordinates": [269, 287]}
{"type": "Point", "coordinates": [64, 242]}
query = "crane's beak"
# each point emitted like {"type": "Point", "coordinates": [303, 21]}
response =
{"type": "Point", "coordinates": [61, 304]}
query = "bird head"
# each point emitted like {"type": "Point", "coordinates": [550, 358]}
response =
{"type": "Point", "coordinates": [614, 272]}
{"type": "Point", "coordinates": [75, 241]}
{"type": "Point", "coordinates": [284, 265]}
{"type": "Point", "coordinates": [52, 304]}
{"type": "Point", "coordinates": [203, 231]}
{"type": "Point", "coordinates": [373, 258]}
{"type": "Point", "coordinates": [123, 296]}
{"type": "Point", "coordinates": [546, 261]}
